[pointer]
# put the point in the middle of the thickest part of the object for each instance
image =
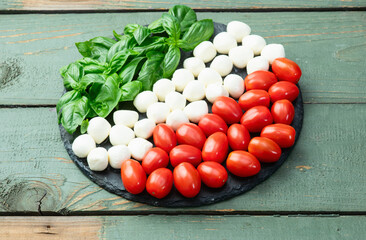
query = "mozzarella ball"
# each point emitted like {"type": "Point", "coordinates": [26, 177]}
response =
{"type": "Point", "coordinates": [240, 56]}
{"type": "Point", "coordinates": [205, 51]}
{"type": "Point", "coordinates": [125, 117]}
{"type": "Point", "coordinates": [175, 100]}
{"type": "Point", "coordinates": [121, 135]}
{"type": "Point", "coordinates": [223, 42]}
{"type": "Point", "coordinates": [194, 64]}
{"type": "Point", "coordinates": [139, 147]}
{"type": "Point", "coordinates": [117, 155]}
{"type": "Point", "coordinates": [257, 63]}
{"type": "Point", "coordinates": [144, 128]}
{"type": "Point", "coordinates": [234, 84]}
{"type": "Point", "coordinates": [98, 159]}
{"type": "Point", "coordinates": [143, 100]}
{"type": "Point", "coordinates": [99, 129]}
{"type": "Point", "coordinates": [162, 87]}
{"type": "Point", "coordinates": [176, 118]}
{"type": "Point", "coordinates": [273, 51]}
{"type": "Point", "coordinates": [158, 112]}
{"type": "Point", "coordinates": [222, 64]}
{"type": "Point", "coordinates": [238, 30]}
{"type": "Point", "coordinates": [215, 90]}
{"type": "Point", "coordinates": [255, 42]}
{"type": "Point", "coordinates": [181, 77]}
{"type": "Point", "coordinates": [82, 145]}
{"type": "Point", "coordinates": [194, 91]}
{"type": "Point", "coordinates": [209, 76]}
{"type": "Point", "coordinates": [196, 110]}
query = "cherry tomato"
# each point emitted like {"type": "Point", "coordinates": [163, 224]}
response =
{"type": "Point", "coordinates": [187, 180]}
{"type": "Point", "coordinates": [213, 174]}
{"type": "Point", "coordinates": [155, 158]}
{"type": "Point", "coordinates": [216, 148]}
{"type": "Point", "coordinates": [283, 111]}
{"type": "Point", "coordinates": [286, 70]}
{"type": "Point", "coordinates": [256, 118]}
{"type": "Point", "coordinates": [259, 80]}
{"type": "Point", "coordinates": [228, 109]}
{"type": "Point", "coordinates": [242, 164]}
{"type": "Point", "coordinates": [191, 134]}
{"type": "Point", "coordinates": [238, 137]}
{"type": "Point", "coordinates": [133, 176]}
{"type": "Point", "coordinates": [282, 134]}
{"type": "Point", "coordinates": [211, 123]}
{"type": "Point", "coordinates": [164, 137]}
{"type": "Point", "coordinates": [252, 98]}
{"type": "Point", "coordinates": [283, 90]}
{"type": "Point", "coordinates": [159, 183]}
{"type": "Point", "coordinates": [264, 149]}
{"type": "Point", "coordinates": [185, 153]}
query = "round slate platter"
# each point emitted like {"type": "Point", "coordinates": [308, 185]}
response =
{"type": "Point", "coordinates": [110, 179]}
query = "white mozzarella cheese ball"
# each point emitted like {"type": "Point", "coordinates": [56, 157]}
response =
{"type": "Point", "coordinates": [121, 135]}
{"type": "Point", "coordinates": [99, 129]}
{"type": "Point", "coordinates": [144, 128]}
{"type": "Point", "coordinates": [209, 76]}
{"type": "Point", "coordinates": [215, 90]}
{"type": "Point", "coordinates": [162, 87]}
{"type": "Point", "coordinates": [222, 64]}
{"type": "Point", "coordinates": [196, 110]}
{"type": "Point", "coordinates": [238, 30]}
{"type": "Point", "coordinates": [98, 159]}
{"type": "Point", "coordinates": [139, 147]}
{"type": "Point", "coordinates": [240, 56]}
{"type": "Point", "coordinates": [158, 112]}
{"type": "Point", "coordinates": [176, 118]}
{"type": "Point", "coordinates": [194, 91]}
{"type": "Point", "coordinates": [143, 100]}
{"type": "Point", "coordinates": [205, 51]}
{"type": "Point", "coordinates": [234, 84]}
{"type": "Point", "coordinates": [257, 63]}
{"type": "Point", "coordinates": [181, 77]}
{"type": "Point", "coordinates": [223, 42]}
{"type": "Point", "coordinates": [175, 100]}
{"type": "Point", "coordinates": [273, 51]}
{"type": "Point", "coordinates": [255, 42]}
{"type": "Point", "coordinates": [125, 117]}
{"type": "Point", "coordinates": [117, 155]}
{"type": "Point", "coordinates": [194, 64]}
{"type": "Point", "coordinates": [82, 145]}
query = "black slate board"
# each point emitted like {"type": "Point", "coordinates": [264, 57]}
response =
{"type": "Point", "coordinates": [110, 179]}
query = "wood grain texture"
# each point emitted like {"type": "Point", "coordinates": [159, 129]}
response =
{"type": "Point", "coordinates": [329, 47]}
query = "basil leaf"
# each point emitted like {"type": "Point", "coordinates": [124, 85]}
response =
{"type": "Point", "coordinates": [117, 61]}
{"type": "Point", "coordinates": [73, 113]}
{"type": "Point", "coordinates": [126, 42]}
{"type": "Point", "coordinates": [130, 91]}
{"type": "Point", "coordinates": [171, 61]}
{"type": "Point", "coordinates": [95, 48]}
{"type": "Point", "coordinates": [84, 48]}
{"type": "Point", "coordinates": [130, 28]}
{"type": "Point", "coordinates": [91, 66]}
{"type": "Point", "coordinates": [66, 98]}
{"type": "Point", "coordinates": [63, 70]}
{"type": "Point", "coordinates": [72, 76]}
{"type": "Point", "coordinates": [128, 71]}
{"type": "Point", "coordinates": [200, 31]}
{"type": "Point", "coordinates": [152, 70]}
{"type": "Point", "coordinates": [84, 126]}
{"type": "Point", "coordinates": [157, 44]}
{"type": "Point", "coordinates": [117, 36]}
{"type": "Point", "coordinates": [157, 26]}
{"type": "Point", "coordinates": [141, 33]}
{"type": "Point", "coordinates": [185, 15]}
{"type": "Point", "coordinates": [171, 26]}
{"type": "Point", "coordinates": [88, 79]}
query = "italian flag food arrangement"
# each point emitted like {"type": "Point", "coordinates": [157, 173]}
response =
{"type": "Point", "coordinates": [182, 112]}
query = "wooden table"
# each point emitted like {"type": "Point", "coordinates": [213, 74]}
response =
{"type": "Point", "coordinates": [319, 193]}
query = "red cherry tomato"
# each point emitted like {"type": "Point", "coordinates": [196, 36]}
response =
{"type": "Point", "coordinates": [264, 149]}
{"type": "Point", "coordinates": [211, 123]}
{"type": "Point", "coordinates": [159, 183]}
{"type": "Point", "coordinates": [155, 158]}
{"type": "Point", "coordinates": [213, 174]}
{"type": "Point", "coordinates": [242, 164]}
{"type": "Point", "coordinates": [283, 111]}
{"type": "Point", "coordinates": [228, 109]}
{"type": "Point", "coordinates": [256, 118]}
{"type": "Point", "coordinates": [187, 180]}
{"type": "Point", "coordinates": [286, 70]}
{"type": "Point", "coordinates": [259, 80]}
{"type": "Point", "coordinates": [216, 148]}
{"type": "Point", "coordinates": [238, 137]}
{"type": "Point", "coordinates": [164, 137]}
{"type": "Point", "coordinates": [133, 176]}
{"type": "Point", "coordinates": [252, 98]}
{"type": "Point", "coordinates": [283, 90]}
{"type": "Point", "coordinates": [185, 153]}
{"type": "Point", "coordinates": [282, 134]}
{"type": "Point", "coordinates": [191, 134]}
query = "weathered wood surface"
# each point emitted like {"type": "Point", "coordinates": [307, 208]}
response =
{"type": "Point", "coordinates": [329, 46]}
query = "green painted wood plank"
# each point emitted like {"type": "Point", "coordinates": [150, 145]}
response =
{"type": "Point", "coordinates": [329, 46]}
{"type": "Point", "coordinates": [325, 172]}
